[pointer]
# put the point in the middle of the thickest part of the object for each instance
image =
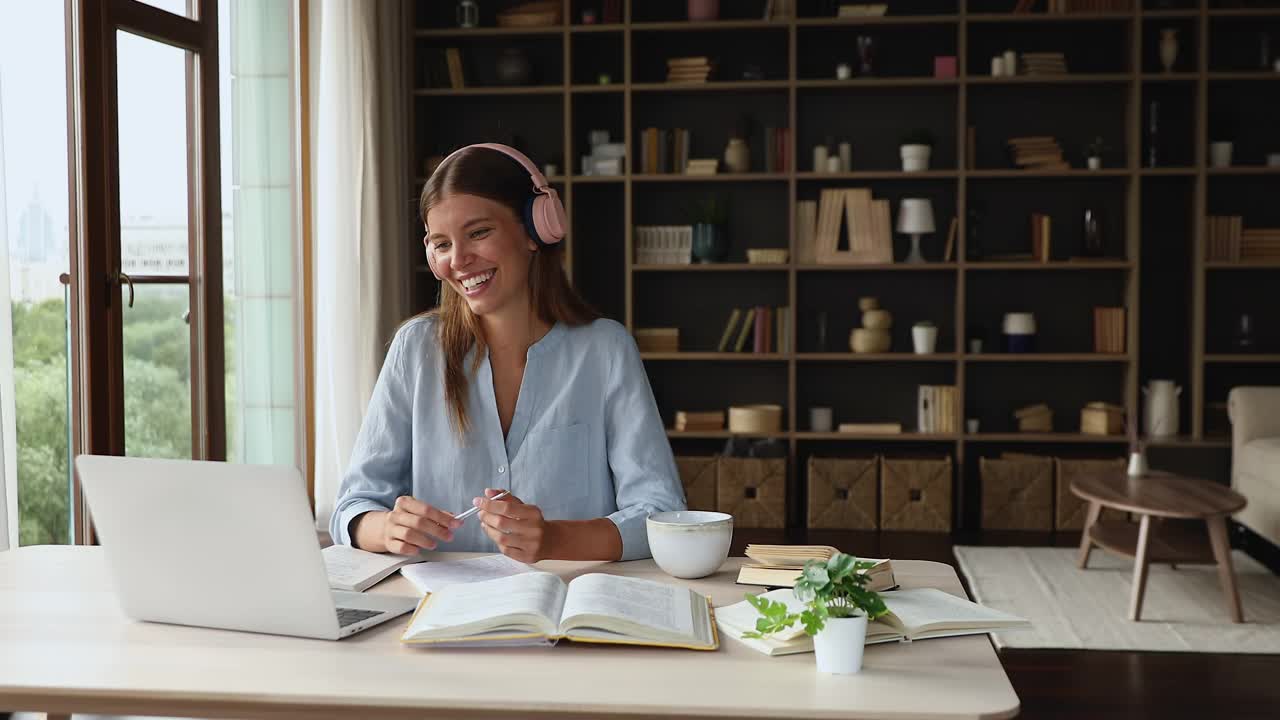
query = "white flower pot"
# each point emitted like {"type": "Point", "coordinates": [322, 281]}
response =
{"type": "Point", "coordinates": [838, 646]}
{"type": "Point", "coordinates": [915, 157]}
{"type": "Point", "coordinates": [924, 338]}
{"type": "Point", "coordinates": [1095, 162]}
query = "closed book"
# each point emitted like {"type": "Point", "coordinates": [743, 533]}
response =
{"type": "Point", "coordinates": [357, 570]}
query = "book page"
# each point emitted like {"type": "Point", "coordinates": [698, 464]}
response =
{"type": "Point", "coordinates": [921, 611]}
{"type": "Point", "coordinates": [667, 609]}
{"type": "Point", "coordinates": [350, 567]}
{"type": "Point", "coordinates": [475, 607]}
{"type": "Point", "coordinates": [436, 576]}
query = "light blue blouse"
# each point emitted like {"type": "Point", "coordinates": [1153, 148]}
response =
{"type": "Point", "coordinates": [586, 440]}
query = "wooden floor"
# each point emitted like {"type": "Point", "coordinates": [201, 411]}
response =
{"type": "Point", "coordinates": [1097, 685]}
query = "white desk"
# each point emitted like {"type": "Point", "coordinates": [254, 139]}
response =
{"type": "Point", "coordinates": [66, 647]}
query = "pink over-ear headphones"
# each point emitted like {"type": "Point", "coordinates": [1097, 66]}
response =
{"type": "Point", "coordinates": [544, 217]}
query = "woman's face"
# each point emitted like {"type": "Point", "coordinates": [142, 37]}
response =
{"type": "Point", "coordinates": [481, 249]}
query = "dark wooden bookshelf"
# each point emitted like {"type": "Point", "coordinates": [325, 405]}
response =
{"type": "Point", "coordinates": [1151, 257]}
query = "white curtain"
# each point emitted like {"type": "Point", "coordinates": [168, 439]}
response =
{"type": "Point", "coordinates": [361, 217]}
{"type": "Point", "coordinates": [8, 432]}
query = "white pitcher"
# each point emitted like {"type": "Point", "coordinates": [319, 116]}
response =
{"type": "Point", "coordinates": [1161, 414]}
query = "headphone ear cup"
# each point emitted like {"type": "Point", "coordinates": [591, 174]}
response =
{"type": "Point", "coordinates": [431, 263]}
{"type": "Point", "coordinates": [547, 213]}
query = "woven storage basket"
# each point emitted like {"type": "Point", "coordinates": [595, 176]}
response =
{"type": "Point", "coordinates": [915, 494]}
{"type": "Point", "coordinates": [1070, 510]}
{"type": "Point", "coordinates": [698, 476]}
{"type": "Point", "coordinates": [755, 418]}
{"type": "Point", "coordinates": [1017, 493]}
{"type": "Point", "coordinates": [842, 493]}
{"type": "Point", "coordinates": [753, 491]}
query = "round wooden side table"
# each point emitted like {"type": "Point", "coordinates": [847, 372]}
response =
{"type": "Point", "coordinates": [1161, 495]}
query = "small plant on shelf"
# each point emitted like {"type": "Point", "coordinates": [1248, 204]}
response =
{"type": "Point", "coordinates": [1093, 152]}
{"type": "Point", "coordinates": [710, 217]}
{"type": "Point", "coordinates": [916, 147]}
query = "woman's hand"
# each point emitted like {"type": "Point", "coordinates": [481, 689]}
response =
{"type": "Point", "coordinates": [519, 529]}
{"type": "Point", "coordinates": [414, 525]}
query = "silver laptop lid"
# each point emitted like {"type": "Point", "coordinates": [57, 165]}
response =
{"type": "Point", "coordinates": [210, 544]}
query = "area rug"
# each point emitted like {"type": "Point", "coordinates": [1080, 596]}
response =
{"type": "Point", "coordinates": [1183, 610]}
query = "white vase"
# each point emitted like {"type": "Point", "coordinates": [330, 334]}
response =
{"type": "Point", "coordinates": [1095, 162]}
{"type": "Point", "coordinates": [924, 338]}
{"type": "Point", "coordinates": [1162, 408]}
{"type": "Point", "coordinates": [1168, 48]}
{"type": "Point", "coordinates": [737, 156]}
{"type": "Point", "coordinates": [1220, 153]}
{"type": "Point", "coordinates": [838, 646]}
{"type": "Point", "coordinates": [915, 158]}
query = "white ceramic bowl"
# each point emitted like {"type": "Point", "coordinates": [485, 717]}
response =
{"type": "Point", "coordinates": [690, 543]}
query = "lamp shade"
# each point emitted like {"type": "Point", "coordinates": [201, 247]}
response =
{"type": "Point", "coordinates": [915, 215]}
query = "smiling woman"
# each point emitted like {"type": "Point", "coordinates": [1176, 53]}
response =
{"type": "Point", "coordinates": [514, 384]}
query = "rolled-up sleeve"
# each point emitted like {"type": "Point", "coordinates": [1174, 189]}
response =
{"type": "Point", "coordinates": [644, 472]}
{"type": "Point", "coordinates": [380, 467]}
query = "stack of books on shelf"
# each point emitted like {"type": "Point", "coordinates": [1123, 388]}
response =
{"type": "Point", "coordinates": [871, 428]}
{"type": "Point", "coordinates": [862, 9]}
{"type": "Point", "coordinates": [777, 143]}
{"type": "Point", "coordinates": [936, 409]}
{"type": "Point", "coordinates": [1044, 63]}
{"type": "Point", "coordinates": [664, 244]}
{"type": "Point", "coordinates": [663, 150]}
{"type": "Point", "coordinates": [689, 70]}
{"type": "Point", "coordinates": [819, 226]}
{"type": "Point", "coordinates": [1064, 7]}
{"type": "Point", "coordinates": [1040, 152]}
{"type": "Point", "coordinates": [1260, 245]}
{"type": "Point", "coordinates": [701, 166]}
{"type": "Point", "coordinates": [711, 421]}
{"type": "Point", "coordinates": [1041, 237]}
{"type": "Point", "coordinates": [767, 328]}
{"type": "Point", "coordinates": [1108, 330]}
{"type": "Point", "coordinates": [658, 339]}
{"type": "Point", "coordinates": [1225, 233]}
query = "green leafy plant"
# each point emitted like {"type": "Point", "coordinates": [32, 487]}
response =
{"type": "Point", "coordinates": [713, 210]}
{"type": "Point", "coordinates": [836, 588]}
{"type": "Point", "coordinates": [918, 136]}
{"type": "Point", "coordinates": [1096, 147]}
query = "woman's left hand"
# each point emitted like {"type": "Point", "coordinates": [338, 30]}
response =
{"type": "Point", "coordinates": [519, 529]}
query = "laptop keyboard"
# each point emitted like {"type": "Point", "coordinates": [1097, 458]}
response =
{"type": "Point", "coordinates": [351, 616]}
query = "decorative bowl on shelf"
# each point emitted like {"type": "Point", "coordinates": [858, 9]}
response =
{"type": "Point", "coordinates": [867, 340]}
{"type": "Point", "coordinates": [755, 419]}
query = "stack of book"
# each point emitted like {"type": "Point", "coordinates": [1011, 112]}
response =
{"type": "Point", "coordinates": [658, 339]}
{"type": "Point", "coordinates": [1065, 7]}
{"type": "Point", "coordinates": [1225, 235]}
{"type": "Point", "coordinates": [701, 166]}
{"type": "Point", "coordinates": [767, 327]}
{"type": "Point", "coordinates": [1108, 330]}
{"type": "Point", "coordinates": [664, 244]}
{"type": "Point", "coordinates": [1260, 245]}
{"type": "Point", "coordinates": [1044, 63]}
{"type": "Point", "coordinates": [871, 428]}
{"type": "Point", "coordinates": [688, 69]}
{"type": "Point", "coordinates": [1040, 152]}
{"type": "Point", "coordinates": [1041, 237]}
{"type": "Point", "coordinates": [862, 9]}
{"type": "Point", "coordinates": [936, 409]}
{"type": "Point", "coordinates": [710, 421]}
{"type": "Point", "coordinates": [780, 565]}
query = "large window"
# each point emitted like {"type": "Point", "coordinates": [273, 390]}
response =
{"type": "Point", "coordinates": [260, 320]}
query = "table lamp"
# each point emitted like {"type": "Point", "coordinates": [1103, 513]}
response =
{"type": "Point", "coordinates": [915, 217]}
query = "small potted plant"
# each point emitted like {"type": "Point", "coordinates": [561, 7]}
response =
{"type": "Point", "coordinates": [915, 148]}
{"type": "Point", "coordinates": [709, 218]}
{"type": "Point", "coordinates": [838, 606]}
{"type": "Point", "coordinates": [1093, 153]}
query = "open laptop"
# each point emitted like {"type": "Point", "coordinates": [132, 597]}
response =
{"type": "Point", "coordinates": [219, 545]}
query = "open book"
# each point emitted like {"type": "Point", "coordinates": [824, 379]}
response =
{"type": "Point", "coordinates": [539, 608]}
{"type": "Point", "coordinates": [779, 565]}
{"type": "Point", "coordinates": [917, 614]}
{"type": "Point", "coordinates": [357, 570]}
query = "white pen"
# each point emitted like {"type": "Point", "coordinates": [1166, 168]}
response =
{"type": "Point", "coordinates": [472, 511]}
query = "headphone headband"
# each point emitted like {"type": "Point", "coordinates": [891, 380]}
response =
{"type": "Point", "coordinates": [544, 215]}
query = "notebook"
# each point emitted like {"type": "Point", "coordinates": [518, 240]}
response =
{"type": "Point", "coordinates": [539, 608]}
{"type": "Point", "coordinates": [436, 576]}
{"type": "Point", "coordinates": [357, 570]}
{"type": "Point", "coordinates": [917, 614]}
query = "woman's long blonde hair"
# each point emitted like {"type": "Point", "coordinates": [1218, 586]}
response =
{"type": "Point", "coordinates": [490, 174]}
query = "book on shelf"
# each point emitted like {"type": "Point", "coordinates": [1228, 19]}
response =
{"type": "Point", "coordinates": [871, 428]}
{"type": "Point", "coordinates": [726, 337]}
{"type": "Point", "coordinates": [457, 77]}
{"type": "Point", "coordinates": [847, 10]}
{"type": "Point", "coordinates": [949, 252]}
{"type": "Point", "coordinates": [806, 223]}
{"type": "Point", "coordinates": [357, 570]}
{"type": "Point", "coordinates": [539, 608]}
{"type": "Point", "coordinates": [915, 614]}
{"type": "Point", "coordinates": [1256, 244]}
{"type": "Point", "coordinates": [936, 408]}
{"type": "Point", "coordinates": [1109, 330]}
{"type": "Point", "coordinates": [701, 166]}
{"type": "Point", "coordinates": [866, 220]}
{"type": "Point", "coordinates": [748, 323]}
{"type": "Point", "coordinates": [687, 421]}
{"type": "Point", "coordinates": [1041, 237]}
